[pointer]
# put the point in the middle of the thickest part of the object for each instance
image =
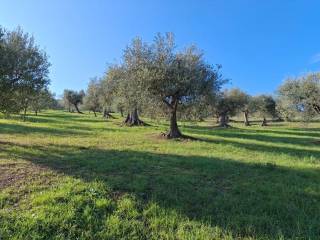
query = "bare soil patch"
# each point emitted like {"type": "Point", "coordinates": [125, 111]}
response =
{"type": "Point", "coordinates": [13, 174]}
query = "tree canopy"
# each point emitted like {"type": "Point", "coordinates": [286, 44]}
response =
{"type": "Point", "coordinates": [158, 76]}
{"type": "Point", "coordinates": [92, 96]}
{"type": "Point", "coordinates": [300, 96]}
{"type": "Point", "coordinates": [73, 98]}
{"type": "Point", "coordinates": [265, 106]}
{"type": "Point", "coordinates": [24, 70]}
{"type": "Point", "coordinates": [229, 103]}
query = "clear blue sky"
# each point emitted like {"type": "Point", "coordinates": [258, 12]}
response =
{"type": "Point", "coordinates": [258, 43]}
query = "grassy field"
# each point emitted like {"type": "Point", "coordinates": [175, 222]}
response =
{"type": "Point", "coordinates": [69, 176]}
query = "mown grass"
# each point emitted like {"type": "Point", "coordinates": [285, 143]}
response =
{"type": "Point", "coordinates": [69, 176]}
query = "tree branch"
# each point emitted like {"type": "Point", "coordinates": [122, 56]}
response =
{"type": "Point", "coordinates": [167, 103]}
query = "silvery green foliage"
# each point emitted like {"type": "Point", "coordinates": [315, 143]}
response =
{"type": "Point", "coordinates": [44, 99]}
{"type": "Point", "coordinates": [158, 78]}
{"type": "Point", "coordinates": [73, 99]}
{"type": "Point", "coordinates": [182, 76]}
{"type": "Point", "coordinates": [157, 73]}
{"type": "Point", "coordinates": [121, 85]}
{"type": "Point", "coordinates": [232, 102]}
{"type": "Point", "coordinates": [24, 70]}
{"type": "Point", "coordinates": [263, 105]}
{"type": "Point", "coordinates": [93, 95]}
{"type": "Point", "coordinates": [110, 87]}
{"type": "Point", "coordinates": [300, 96]}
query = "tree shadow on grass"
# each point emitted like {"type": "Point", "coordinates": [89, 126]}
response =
{"type": "Point", "coordinates": [6, 128]}
{"type": "Point", "coordinates": [297, 131]}
{"type": "Point", "coordinates": [300, 139]}
{"type": "Point", "coordinates": [72, 117]}
{"type": "Point", "coordinates": [60, 117]}
{"type": "Point", "coordinates": [55, 130]}
{"type": "Point", "coordinates": [315, 132]}
{"type": "Point", "coordinates": [297, 153]}
{"type": "Point", "coordinates": [246, 199]}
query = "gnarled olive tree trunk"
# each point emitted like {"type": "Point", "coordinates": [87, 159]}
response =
{"type": "Point", "coordinates": [106, 114]}
{"type": "Point", "coordinates": [77, 108]}
{"type": "Point", "coordinates": [25, 113]}
{"type": "Point", "coordinates": [264, 122]}
{"type": "Point", "coordinates": [246, 118]}
{"type": "Point", "coordinates": [174, 131]}
{"type": "Point", "coordinates": [132, 119]}
{"type": "Point", "coordinates": [223, 120]}
{"type": "Point", "coordinates": [121, 112]}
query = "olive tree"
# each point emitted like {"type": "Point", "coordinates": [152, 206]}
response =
{"type": "Point", "coordinates": [92, 96]}
{"type": "Point", "coordinates": [24, 70]}
{"type": "Point", "coordinates": [177, 78]}
{"type": "Point", "coordinates": [301, 96]}
{"type": "Point", "coordinates": [286, 109]}
{"type": "Point", "coordinates": [44, 99]}
{"type": "Point", "coordinates": [265, 106]}
{"type": "Point", "coordinates": [242, 103]}
{"type": "Point", "coordinates": [66, 102]}
{"type": "Point", "coordinates": [109, 87]}
{"type": "Point", "coordinates": [158, 78]}
{"type": "Point", "coordinates": [126, 80]}
{"type": "Point", "coordinates": [229, 103]}
{"type": "Point", "coordinates": [74, 98]}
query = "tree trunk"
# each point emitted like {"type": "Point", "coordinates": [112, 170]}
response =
{"type": "Point", "coordinates": [127, 118]}
{"type": "Point", "coordinates": [174, 131]}
{"type": "Point", "coordinates": [223, 120]}
{"type": "Point", "coordinates": [217, 118]}
{"type": "Point", "coordinates": [24, 114]}
{"type": "Point", "coordinates": [132, 119]}
{"type": "Point", "coordinates": [246, 118]}
{"type": "Point", "coordinates": [121, 112]}
{"type": "Point", "coordinates": [76, 107]}
{"type": "Point", "coordinates": [264, 122]}
{"type": "Point", "coordinates": [94, 112]}
{"type": "Point", "coordinates": [106, 114]}
{"type": "Point", "coordinates": [36, 112]}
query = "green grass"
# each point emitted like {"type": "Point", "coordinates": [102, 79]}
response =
{"type": "Point", "coordinates": [69, 176]}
